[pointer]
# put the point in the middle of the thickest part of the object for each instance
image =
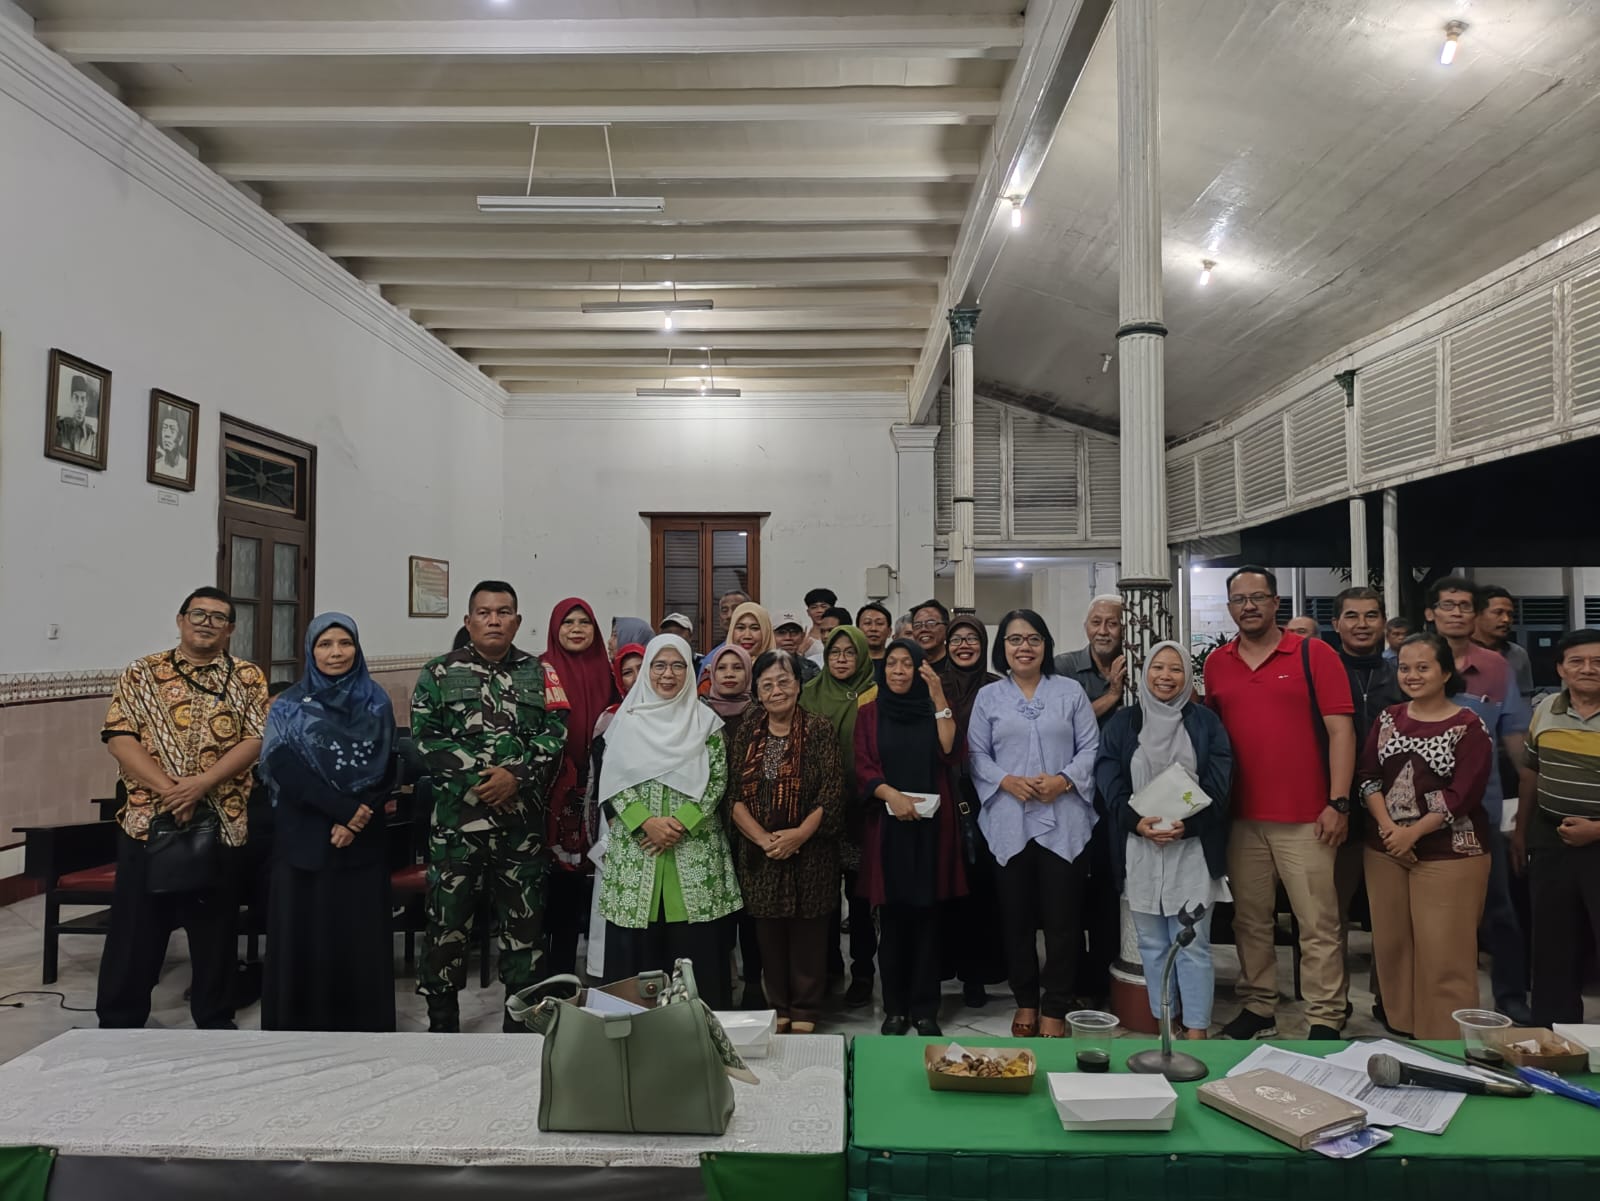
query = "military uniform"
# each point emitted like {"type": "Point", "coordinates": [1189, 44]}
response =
{"type": "Point", "coordinates": [468, 714]}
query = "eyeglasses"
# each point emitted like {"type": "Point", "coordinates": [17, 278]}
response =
{"type": "Point", "coordinates": [669, 669]}
{"type": "Point", "coordinates": [1255, 598]}
{"type": "Point", "coordinates": [1453, 607]}
{"type": "Point", "coordinates": [208, 617]}
{"type": "Point", "coordinates": [927, 625]}
{"type": "Point", "coordinates": [842, 652]}
{"type": "Point", "coordinates": [773, 687]}
{"type": "Point", "coordinates": [1030, 640]}
{"type": "Point", "coordinates": [965, 640]}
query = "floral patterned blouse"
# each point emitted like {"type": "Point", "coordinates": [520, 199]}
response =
{"type": "Point", "coordinates": [1430, 767]}
{"type": "Point", "coordinates": [695, 880]}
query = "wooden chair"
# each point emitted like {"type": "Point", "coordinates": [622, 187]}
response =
{"type": "Point", "coordinates": [77, 865]}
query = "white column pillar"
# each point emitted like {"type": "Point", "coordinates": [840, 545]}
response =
{"type": "Point", "coordinates": [1360, 572]}
{"type": "Point", "coordinates": [1140, 368]}
{"type": "Point", "coordinates": [1393, 598]}
{"type": "Point", "coordinates": [1297, 591]}
{"type": "Point", "coordinates": [962, 323]}
{"type": "Point", "coordinates": [1572, 584]}
{"type": "Point", "coordinates": [916, 501]}
{"type": "Point", "coordinates": [1185, 604]}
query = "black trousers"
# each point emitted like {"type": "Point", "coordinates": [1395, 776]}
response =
{"type": "Point", "coordinates": [1038, 889]}
{"type": "Point", "coordinates": [566, 918]}
{"type": "Point", "coordinates": [908, 954]}
{"type": "Point", "coordinates": [660, 944]}
{"type": "Point", "coordinates": [1565, 884]}
{"type": "Point", "coordinates": [749, 959]}
{"type": "Point", "coordinates": [142, 924]}
{"type": "Point", "coordinates": [974, 925]}
{"type": "Point", "coordinates": [1102, 917]}
{"type": "Point", "coordinates": [863, 933]}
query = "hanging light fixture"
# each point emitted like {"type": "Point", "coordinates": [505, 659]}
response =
{"type": "Point", "coordinates": [667, 306]}
{"type": "Point", "coordinates": [585, 206]}
{"type": "Point", "coordinates": [1452, 37]}
{"type": "Point", "coordinates": [701, 390]}
{"type": "Point", "coordinates": [1016, 211]}
{"type": "Point", "coordinates": [1205, 271]}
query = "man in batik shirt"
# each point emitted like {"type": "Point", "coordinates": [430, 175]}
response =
{"type": "Point", "coordinates": [185, 729]}
{"type": "Point", "coordinates": [490, 722]}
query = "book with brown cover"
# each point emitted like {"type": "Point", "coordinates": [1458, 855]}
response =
{"type": "Point", "coordinates": [1288, 1110]}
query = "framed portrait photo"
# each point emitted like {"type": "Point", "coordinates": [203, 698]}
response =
{"type": "Point", "coordinates": [77, 419]}
{"type": "Point", "coordinates": [430, 587]}
{"type": "Point", "coordinates": [174, 424]}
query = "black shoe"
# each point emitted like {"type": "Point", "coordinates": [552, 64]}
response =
{"type": "Point", "coordinates": [1249, 1025]}
{"type": "Point", "coordinates": [1349, 1010]}
{"type": "Point", "coordinates": [859, 993]}
{"type": "Point", "coordinates": [929, 1028]}
{"type": "Point", "coordinates": [1320, 1033]}
{"type": "Point", "coordinates": [444, 1015]}
{"type": "Point", "coordinates": [895, 1024]}
{"type": "Point", "coordinates": [973, 996]}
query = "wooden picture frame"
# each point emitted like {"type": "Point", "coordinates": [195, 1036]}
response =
{"type": "Point", "coordinates": [77, 415]}
{"type": "Point", "coordinates": [429, 587]}
{"type": "Point", "coordinates": [170, 461]}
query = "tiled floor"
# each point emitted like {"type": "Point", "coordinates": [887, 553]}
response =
{"type": "Point", "coordinates": [41, 1018]}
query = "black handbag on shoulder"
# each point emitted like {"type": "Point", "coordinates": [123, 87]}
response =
{"type": "Point", "coordinates": [184, 858]}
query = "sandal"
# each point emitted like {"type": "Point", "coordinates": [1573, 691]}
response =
{"type": "Point", "coordinates": [782, 1025]}
{"type": "Point", "coordinates": [1057, 1030]}
{"type": "Point", "coordinates": [802, 1027]}
{"type": "Point", "coordinates": [1025, 1028]}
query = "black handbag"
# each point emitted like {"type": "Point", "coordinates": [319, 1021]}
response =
{"type": "Point", "coordinates": [183, 858]}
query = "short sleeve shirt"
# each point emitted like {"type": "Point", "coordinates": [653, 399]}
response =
{"type": "Point", "coordinates": [1079, 665]}
{"type": "Point", "coordinates": [1280, 773]}
{"type": "Point", "coordinates": [188, 716]}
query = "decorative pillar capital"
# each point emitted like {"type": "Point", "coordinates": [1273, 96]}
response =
{"type": "Point", "coordinates": [1347, 381]}
{"type": "Point", "coordinates": [914, 439]}
{"type": "Point", "coordinates": [963, 321]}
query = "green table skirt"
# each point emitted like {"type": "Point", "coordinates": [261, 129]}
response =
{"type": "Point", "coordinates": [909, 1142]}
{"type": "Point", "coordinates": [25, 1173]}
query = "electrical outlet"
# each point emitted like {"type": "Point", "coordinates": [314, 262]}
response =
{"type": "Point", "coordinates": [52, 632]}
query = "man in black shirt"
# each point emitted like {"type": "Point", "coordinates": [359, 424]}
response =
{"type": "Point", "coordinates": [1358, 619]}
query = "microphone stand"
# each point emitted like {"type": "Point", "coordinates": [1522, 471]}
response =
{"type": "Point", "coordinates": [1174, 1065]}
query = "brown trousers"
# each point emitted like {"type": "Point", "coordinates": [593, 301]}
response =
{"type": "Point", "coordinates": [794, 964]}
{"type": "Point", "coordinates": [1259, 855]}
{"type": "Point", "coordinates": [1425, 934]}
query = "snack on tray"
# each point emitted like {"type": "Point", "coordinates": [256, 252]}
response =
{"type": "Point", "coordinates": [983, 1066]}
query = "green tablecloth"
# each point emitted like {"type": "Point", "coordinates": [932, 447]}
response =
{"type": "Point", "coordinates": [909, 1142]}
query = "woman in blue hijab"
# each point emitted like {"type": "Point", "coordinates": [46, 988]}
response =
{"type": "Point", "coordinates": [328, 756]}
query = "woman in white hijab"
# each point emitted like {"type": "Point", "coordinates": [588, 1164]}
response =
{"type": "Point", "coordinates": [1168, 867]}
{"type": "Point", "coordinates": [669, 878]}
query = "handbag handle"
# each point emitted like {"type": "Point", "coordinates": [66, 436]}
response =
{"type": "Point", "coordinates": [519, 1008]}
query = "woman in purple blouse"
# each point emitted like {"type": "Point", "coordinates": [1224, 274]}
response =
{"type": "Point", "coordinates": [1032, 742]}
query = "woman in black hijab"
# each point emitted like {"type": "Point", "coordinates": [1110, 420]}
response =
{"type": "Point", "coordinates": [973, 948]}
{"type": "Point", "coordinates": [905, 741]}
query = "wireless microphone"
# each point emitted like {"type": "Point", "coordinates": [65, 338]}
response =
{"type": "Point", "coordinates": [1388, 1072]}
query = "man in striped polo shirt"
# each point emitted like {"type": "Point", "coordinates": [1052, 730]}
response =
{"type": "Point", "coordinates": [1558, 829]}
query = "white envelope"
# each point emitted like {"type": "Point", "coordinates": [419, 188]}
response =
{"type": "Point", "coordinates": [1121, 1101]}
{"type": "Point", "coordinates": [1587, 1037]}
{"type": "Point", "coordinates": [750, 1030]}
{"type": "Point", "coordinates": [1172, 796]}
{"type": "Point", "coordinates": [925, 803]}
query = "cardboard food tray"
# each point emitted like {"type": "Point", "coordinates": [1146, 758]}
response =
{"type": "Point", "coordinates": [943, 1082]}
{"type": "Point", "coordinates": [1559, 1054]}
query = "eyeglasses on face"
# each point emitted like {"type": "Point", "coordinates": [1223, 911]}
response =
{"type": "Point", "coordinates": [773, 687]}
{"type": "Point", "coordinates": [1032, 640]}
{"type": "Point", "coordinates": [935, 624]}
{"type": "Point", "coordinates": [669, 669]}
{"type": "Point", "coordinates": [1445, 606]}
{"type": "Point", "coordinates": [966, 640]}
{"type": "Point", "coordinates": [207, 617]}
{"type": "Point", "coordinates": [1255, 598]}
{"type": "Point", "coordinates": [842, 652]}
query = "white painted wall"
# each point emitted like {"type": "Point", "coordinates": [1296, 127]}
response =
{"type": "Point", "coordinates": [576, 486]}
{"type": "Point", "coordinates": [94, 262]}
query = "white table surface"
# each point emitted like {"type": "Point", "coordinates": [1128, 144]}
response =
{"type": "Point", "coordinates": [456, 1099]}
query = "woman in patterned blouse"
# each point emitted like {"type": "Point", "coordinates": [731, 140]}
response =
{"type": "Point", "coordinates": [1422, 774]}
{"type": "Point", "coordinates": [669, 881]}
{"type": "Point", "coordinates": [787, 795]}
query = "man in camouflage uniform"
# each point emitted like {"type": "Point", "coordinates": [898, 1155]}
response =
{"type": "Point", "coordinates": [490, 723]}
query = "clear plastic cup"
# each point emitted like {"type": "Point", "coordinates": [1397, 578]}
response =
{"type": "Point", "coordinates": [1478, 1027]}
{"type": "Point", "coordinates": [1092, 1032]}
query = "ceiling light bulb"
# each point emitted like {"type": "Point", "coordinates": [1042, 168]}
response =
{"type": "Point", "coordinates": [1017, 565]}
{"type": "Point", "coordinates": [1016, 212]}
{"type": "Point", "coordinates": [666, 322]}
{"type": "Point", "coordinates": [1452, 36]}
{"type": "Point", "coordinates": [666, 283]}
{"type": "Point", "coordinates": [1205, 271]}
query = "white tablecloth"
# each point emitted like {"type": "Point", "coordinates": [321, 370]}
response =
{"type": "Point", "coordinates": [456, 1099]}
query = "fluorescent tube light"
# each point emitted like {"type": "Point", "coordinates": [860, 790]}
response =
{"type": "Point", "coordinates": [687, 392]}
{"type": "Point", "coordinates": [583, 205]}
{"type": "Point", "coordinates": [647, 306]}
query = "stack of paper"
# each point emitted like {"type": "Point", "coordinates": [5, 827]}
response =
{"type": "Point", "coordinates": [1345, 1075]}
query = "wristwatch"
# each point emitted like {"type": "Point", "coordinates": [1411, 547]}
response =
{"type": "Point", "coordinates": [1339, 804]}
{"type": "Point", "coordinates": [945, 712]}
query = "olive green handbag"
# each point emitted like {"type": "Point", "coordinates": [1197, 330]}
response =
{"type": "Point", "coordinates": [664, 1071]}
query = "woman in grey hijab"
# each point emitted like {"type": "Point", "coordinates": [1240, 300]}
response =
{"type": "Point", "coordinates": [1166, 867]}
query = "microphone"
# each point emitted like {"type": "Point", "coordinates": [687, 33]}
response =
{"type": "Point", "coordinates": [1388, 1072]}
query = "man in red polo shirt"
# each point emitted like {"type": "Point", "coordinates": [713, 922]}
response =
{"type": "Point", "coordinates": [1294, 754]}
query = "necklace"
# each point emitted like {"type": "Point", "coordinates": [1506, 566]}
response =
{"type": "Point", "coordinates": [196, 685]}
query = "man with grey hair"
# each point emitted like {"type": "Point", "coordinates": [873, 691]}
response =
{"type": "Point", "coordinates": [1100, 668]}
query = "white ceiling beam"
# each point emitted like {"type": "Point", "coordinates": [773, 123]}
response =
{"type": "Point", "coordinates": [324, 208]}
{"type": "Point", "coordinates": [581, 340]}
{"type": "Point", "coordinates": [758, 359]}
{"type": "Point", "coordinates": [882, 105]}
{"type": "Point", "coordinates": [749, 300]}
{"type": "Point", "coordinates": [687, 274]}
{"type": "Point", "coordinates": [702, 167]}
{"type": "Point", "coordinates": [625, 387]}
{"type": "Point", "coordinates": [861, 317]}
{"type": "Point", "coordinates": [931, 36]}
{"type": "Point", "coordinates": [691, 372]}
{"type": "Point", "coordinates": [438, 242]}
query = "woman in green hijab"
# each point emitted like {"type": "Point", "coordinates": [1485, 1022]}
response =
{"type": "Point", "coordinates": [847, 682]}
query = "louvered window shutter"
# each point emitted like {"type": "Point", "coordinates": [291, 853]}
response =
{"type": "Point", "coordinates": [943, 466]}
{"type": "Point", "coordinates": [1219, 489]}
{"type": "Point", "coordinates": [1045, 502]}
{"type": "Point", "coordinates": [1502, 372]}
{"type": "Point", "coordinates": [1397, 412]}
{"type": "Point", "coordinates": [1261, 467]}
{"type": "Point", "coordinates": [1317, 443]}
{"type": "Point", "coordinates": [1586, 345]}
{"type": "Point", "coordinates": [1183, 506]}
{"type": "Point", "coordinates": [1105, 489]}
{"type": "Point", "coordinates": [988, 470]}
